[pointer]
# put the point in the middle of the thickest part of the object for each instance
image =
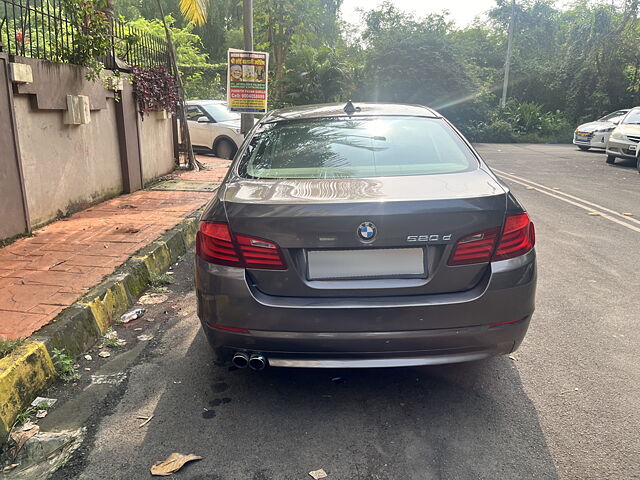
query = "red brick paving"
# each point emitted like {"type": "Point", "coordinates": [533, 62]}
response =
{"type": "Point", "coordinates": [42, 275]}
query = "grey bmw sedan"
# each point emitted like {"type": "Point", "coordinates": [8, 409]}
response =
{"type": "Point", "coordinates": [366, 235]}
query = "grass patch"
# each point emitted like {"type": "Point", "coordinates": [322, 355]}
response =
{"type": "Point", "coordinates": [110, 339]}
{"type": "Point", "coordinates": [25, 415]}
{"type": "Point", "coordinates": [64, 365]}
{"type": "Point", "coordinates": [8, 346]}
{"type": "Point", "coordinates": [159, 283]}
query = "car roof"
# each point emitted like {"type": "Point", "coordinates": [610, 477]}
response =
{"type": "Point", "coordinates": [338, 110]}
{"type": "Point", "coordinates": [204, 102]}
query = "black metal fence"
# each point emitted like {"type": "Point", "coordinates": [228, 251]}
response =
{"type": "Point", "coordinates": [44, 29]}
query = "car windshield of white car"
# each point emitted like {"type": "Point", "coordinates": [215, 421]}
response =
{"type": "Point", "coordinates": [342, 147]}
{"type": "Point", "coordinates": [219, 112]}
{"type": "Point", "coordinates": [633, 118]}
{"type": "Point", "coordinates": [612, 116]}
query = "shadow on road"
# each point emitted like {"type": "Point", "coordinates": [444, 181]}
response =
{"type": "Point", "coordinates": [462, 421]}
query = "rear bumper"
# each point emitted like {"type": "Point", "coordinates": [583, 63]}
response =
{"type": "Point", "coordinates": [368, 332]}
{"type": "Point", "coordinates": [371, 349]}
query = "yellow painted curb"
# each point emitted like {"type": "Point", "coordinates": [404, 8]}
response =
{"type": "Point", "coordinates": [107, 308]}
{"type": "Point", "coordinates": [24, 373]}
{"type": "Point", "coordinates": [158, 260]}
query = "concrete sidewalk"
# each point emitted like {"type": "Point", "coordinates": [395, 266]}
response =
{"type": "Point", "coordinates": [43, 274]}
{"type": "Point", "coordinates": [62, 288]}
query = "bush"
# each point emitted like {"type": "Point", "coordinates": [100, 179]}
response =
{"type": "Point", "coordinates": [521, 123]}
{"type": "Point", "coordinates": [204, 82]}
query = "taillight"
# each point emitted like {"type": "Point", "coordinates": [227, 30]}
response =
{"type": "Point", "coordinates": [215, 243]}
{"type": "Point", "coordinates": [258, 253]}
{"type": "Point", "coordinates": [476, 248]}
{"type": "Point", "coordinates": [517, 238]}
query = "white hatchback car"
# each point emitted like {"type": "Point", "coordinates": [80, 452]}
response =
{"type": "Point", "coordinates": [213, 127]}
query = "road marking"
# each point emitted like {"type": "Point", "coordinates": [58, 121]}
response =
{"type": "Point", "coordinates": [556, 194]}
{"type": "Point", "coordinates": [573, 197]}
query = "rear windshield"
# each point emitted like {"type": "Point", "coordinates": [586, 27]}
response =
{"type": "Point", "coordinates": [355, 148]}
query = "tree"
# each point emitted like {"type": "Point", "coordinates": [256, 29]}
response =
{"type": "Point", "coordinates": [279, 22]}
{"type": "Point", "coordinates": [195, 11]}
{"type": "Point", "coordinates": [416, 61]}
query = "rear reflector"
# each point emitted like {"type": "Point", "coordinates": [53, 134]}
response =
{"type": "Point", "coordinates": [517, 238]}
{"type": "Point", "coordinates": [230, 329]}
{"type": "Point", "coordinates": [215, 243]}
{"type": "Point", "coordinates": [508, 322]}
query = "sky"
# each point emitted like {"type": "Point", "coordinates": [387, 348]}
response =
{"type": "Point", "coordinates": [462, 12]}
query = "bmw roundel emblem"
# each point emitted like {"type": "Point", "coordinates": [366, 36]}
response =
{"type": "Point", "coordinates": [367, 231]}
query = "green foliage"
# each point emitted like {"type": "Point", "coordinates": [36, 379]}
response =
{"type": "Point", "coordinates": [8, 346]}
{"type": "Point", "coordinates": [91, 40]}
{"type": "Point", "coordinates": [200, 79]}
{"type": "Point", "coordinates": [159, 283]}
{"type": "Point", "coordinates": [280, 24]}
{"type": "Point", "coordinates": [521, 122]}
{"type": "Point", "coordinates": [155, 89]}
{"type": "Point", "coordinates": [82, 38]}
{"type": "Point", "coordinates": [26, 414]}
{"type": "Point", "coordinates": [569, 65]}
{"type": "Point", "coordinates": [205, 81]}
{"type": "Point", "coordinates": [64, 365]}
{"type": "Point", "coordinates": [188, 45]}
{"type": "Point", "coordinates": [316, 76]}
{"type": "Point", "coordinates": [110, 339]}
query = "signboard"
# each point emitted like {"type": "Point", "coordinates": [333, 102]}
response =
{"type": "Point", "coordinates": [247, 81]}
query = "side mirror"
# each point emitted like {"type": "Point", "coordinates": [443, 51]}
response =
{"type": "Point", "coordinates": [203, 119]}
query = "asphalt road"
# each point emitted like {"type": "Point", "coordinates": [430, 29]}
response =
{"type": "Point", "coordinates": [567, 404]}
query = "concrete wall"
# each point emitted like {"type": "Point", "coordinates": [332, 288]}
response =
{"type": "Point", "coordinates": [66, 166]}
{"type": "Point", "coordinates": [156, 146]}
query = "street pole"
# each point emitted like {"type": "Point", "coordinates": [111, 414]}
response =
{"type": "Point", "coordinates": [507, 63]}
{"type": "Point", "coordinates": [246, 122]}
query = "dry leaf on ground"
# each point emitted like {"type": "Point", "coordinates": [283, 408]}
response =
{"type": "Point", "coordinates": [172, 464]}
{"type": "Point", "coordinates": [20, 437]}
{"type": "Point", "coordinates": [318, 474]}
{"type": "Point", "coordinates": [104, 354]}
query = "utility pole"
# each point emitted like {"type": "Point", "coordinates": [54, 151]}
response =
{"type": "Point", "coordinates": [246, 122]}
{"type": "Point", "coordinates": [507, 63]}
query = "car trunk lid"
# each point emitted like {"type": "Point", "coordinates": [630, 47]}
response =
{"type": "Point", "coordinates": [316, 221]}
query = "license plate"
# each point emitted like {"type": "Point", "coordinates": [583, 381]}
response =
{"type": "Point", "coordinates": [366, 263]}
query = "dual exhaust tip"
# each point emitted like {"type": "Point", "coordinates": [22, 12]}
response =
{"type": "Point", "coordinates": [255, 361]}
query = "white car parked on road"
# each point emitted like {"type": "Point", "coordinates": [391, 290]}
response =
{"type": "Point", "coordinates": [213, 127]}
{"type": "Point", "coordinates": [625, 138]}
{"type": "Point", "coordinates": [596, 134]}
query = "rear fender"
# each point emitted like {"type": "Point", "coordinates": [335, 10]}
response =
{"type": "Point", "coordinates": [215, 210]}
